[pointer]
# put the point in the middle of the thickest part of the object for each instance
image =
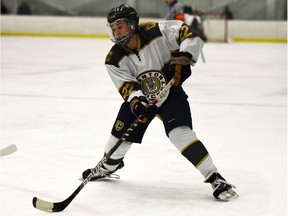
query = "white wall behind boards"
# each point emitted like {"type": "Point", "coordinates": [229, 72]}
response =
{"type": "Point", "coordinates": [96, 27]}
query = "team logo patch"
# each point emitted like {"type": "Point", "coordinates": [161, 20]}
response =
{"type": "Point", "coordinates": [119, 125]}
{"type": "Point", "coordinates": [152, 82]}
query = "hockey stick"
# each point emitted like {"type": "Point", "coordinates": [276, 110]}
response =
{"type": "Point", "coordinates": [8, 150]}
{"type": "Point", "coordinates": [203, 57]}
{"type": "Point", "coordinates": [60, 206]}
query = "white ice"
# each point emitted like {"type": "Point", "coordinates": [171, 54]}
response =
{"type": "Point", "coordinates": [58, 105]}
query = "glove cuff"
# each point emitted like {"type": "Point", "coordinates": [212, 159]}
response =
{"type": "Point", "coordinates": [137, 101]}
{"type": "Point", "coordinates": [133, 104]}
{"type": "Point", "coordinates": [181, 58]}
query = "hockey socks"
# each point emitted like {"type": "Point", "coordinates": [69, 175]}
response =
{"type": "Point", "coordinates": [190, 147]}
{"type": "Point", "coordinates": [193, 149]}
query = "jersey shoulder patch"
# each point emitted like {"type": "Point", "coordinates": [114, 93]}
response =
{"type": "Point", "coordinates": [114, 56]}
{"type": "Point", "coordinates": [149, 31]}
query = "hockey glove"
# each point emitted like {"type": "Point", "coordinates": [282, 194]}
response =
{"type": "Point", "coordinates": [180, 66]}
{"type": "Point", "coordinates": [140, 106]}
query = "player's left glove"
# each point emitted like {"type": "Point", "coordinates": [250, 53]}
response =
{"type": "Point", "coordinates": [180, 65]}
{"type": "Point", "coordinates": [140, 106]}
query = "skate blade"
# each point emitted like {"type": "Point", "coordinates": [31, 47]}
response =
{"type": "Point", "coordinates": [107, 178]}
{"type": "Point", "coordinates": [228, 195]}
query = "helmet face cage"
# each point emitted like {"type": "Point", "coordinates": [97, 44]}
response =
{"type": "Point", "coordinates": [125, 38]}
{"type": "Point", "coordinates": [124, 12]}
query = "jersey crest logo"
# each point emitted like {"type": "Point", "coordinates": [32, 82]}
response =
{"type": "Point", "coordinates": [152, 82]}
{"type": "Point", "coordinates": [119, 125]}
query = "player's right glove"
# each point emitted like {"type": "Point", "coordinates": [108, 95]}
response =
{"type": "Point", "coordinates": [180, 66]}
{"type": "Point", "coordinates": [141, 106]}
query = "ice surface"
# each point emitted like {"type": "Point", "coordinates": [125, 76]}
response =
{"type": "Point", "coordinates": [58, 105]}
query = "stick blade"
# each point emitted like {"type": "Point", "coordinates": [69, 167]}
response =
{"type": "Point", "coordinates": [8, 150]}
{"type": "Point", "coordinates": [48, 206]}
{"type": "Point", "coordinates": [57, 206]}
{"type": "Point", "coordinates": [42, 205]}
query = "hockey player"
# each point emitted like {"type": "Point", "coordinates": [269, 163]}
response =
{"type": "Point", "coordinates": [144, 58]}
{"type": "Point", "coordinates": [185, 13]}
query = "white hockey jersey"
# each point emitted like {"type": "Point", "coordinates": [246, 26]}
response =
{"type": "Point", "coordinates": [144, 72]}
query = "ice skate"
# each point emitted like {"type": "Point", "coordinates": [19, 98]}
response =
{"type": "Point", "coordinates": [102, 172]}
{"type": "Point", "coordinates": [222, 189]}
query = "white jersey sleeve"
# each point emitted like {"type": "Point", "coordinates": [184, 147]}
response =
{"type": "Point", "coordinates": [122, 75]}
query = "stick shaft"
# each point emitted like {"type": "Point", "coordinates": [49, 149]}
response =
{"type": "Point", "coordinates": [60, 206]}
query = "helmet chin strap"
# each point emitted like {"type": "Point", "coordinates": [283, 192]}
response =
{"type": "Point", "coordinates": [125, 39]}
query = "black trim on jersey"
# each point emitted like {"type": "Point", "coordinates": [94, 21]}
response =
{"type": "Point", "coordinates": [115, 55]}
{"type": "Point", "coordinates": [186, 32]}
{"type": "Point", "coordinates": [147, 32]}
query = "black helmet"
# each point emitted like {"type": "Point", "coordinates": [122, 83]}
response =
{"type": "Point", "coordinates": [123, 12]}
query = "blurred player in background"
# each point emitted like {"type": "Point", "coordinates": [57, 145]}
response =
{"type": "Point", "coordinates": [187, 14]}
{"type": "Point", "coordinates": [144, 58]}
{"type": "Point", "coordinates": [228, 13]}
